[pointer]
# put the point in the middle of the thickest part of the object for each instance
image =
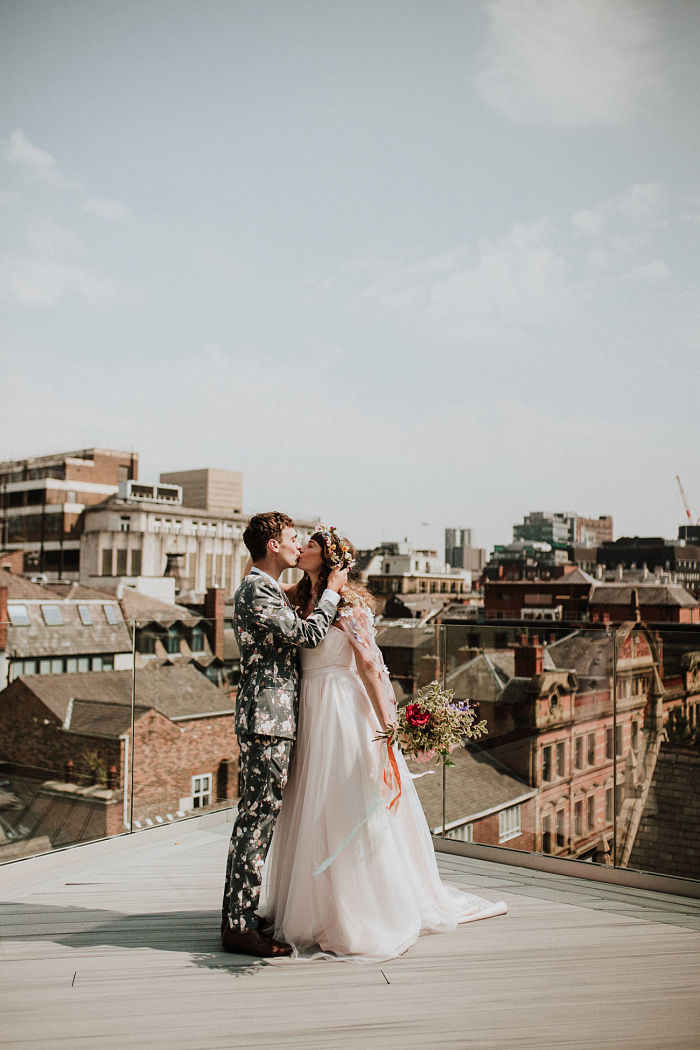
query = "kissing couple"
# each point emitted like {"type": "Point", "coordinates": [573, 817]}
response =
{"type": "Point", "coordinates": [323, 862]}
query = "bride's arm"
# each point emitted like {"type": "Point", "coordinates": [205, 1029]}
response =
{"type": "Point", "coordinates": [358, 624]}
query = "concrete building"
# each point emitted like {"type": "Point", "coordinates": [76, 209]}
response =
{"type": "Point", "coordinates": [565, 527]}
{"type": "Point", "coordinates": [680, 558]}
{"type": "Point", "coordinates": [42, 500]}
{"type": "Point", "coordinates": [400, 568]}
{"type": "Point", "coordinates": [220, 491]}
{"type": "Point", "coordinates": [461, 551]}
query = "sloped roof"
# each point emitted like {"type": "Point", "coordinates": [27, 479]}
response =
{"type": "Point", "coordinates": [137, 606]}
{"type": "Point", "coordinates": [476, 784]}
{"type": "Point", "coordinates": [577, 575]}
{"type": "Point", "coordinates": [177, 691]}
{"type": "Point", "coordinates": [94, 718]}
{"type": "Point", "coordinates": [484, 677]}
{"type": "Point", "coordinates": [588, 653]}
{"type": "Point", "coordinates": [19, 588]}
{"type": "Point", "coordinates": [76, 592]}
{"type": "Point", "coordinates": [412, 636]}
{"type": "Point", "coordinates": [648, 594]}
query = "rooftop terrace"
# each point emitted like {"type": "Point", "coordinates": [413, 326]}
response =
{"type": "Point", "coordinates": [115, 944]}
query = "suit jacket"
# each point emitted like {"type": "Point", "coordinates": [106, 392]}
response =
{"type": "Point", "coordinates": [269, 634]}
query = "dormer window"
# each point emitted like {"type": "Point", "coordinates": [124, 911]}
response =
{"type": "Point", "coordinates": [19, 616]}
{"type": "Point", "coordinates": [111, 615]}
{"type": "Point", "coordinates": [53, 617]}
{"type": "Point", "coordinates": [84, 614]}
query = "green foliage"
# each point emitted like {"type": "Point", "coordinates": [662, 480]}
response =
{"type": "Point", "coordinates": [433, 725]}
{"type": "Point", "coordinates": [94, 767]}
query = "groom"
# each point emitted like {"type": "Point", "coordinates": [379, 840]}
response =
{"type": "Point", "coordinates": [269, 633]}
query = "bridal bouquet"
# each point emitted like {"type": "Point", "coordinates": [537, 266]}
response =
{"type": "Point", "coordinates": [434, 725]}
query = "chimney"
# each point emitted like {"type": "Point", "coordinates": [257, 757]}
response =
{"type": "Point", "coordinates": [214, 602]}
{"type": "Point", "coordinates": [3, 619]}
{"type": "Point", "coordinates": [529, 658]}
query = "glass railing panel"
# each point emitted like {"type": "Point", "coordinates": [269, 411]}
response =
{"type": "Point", "coordinates": [540, 779]}
{"type": "Point", "coordinates": [184, 753]}
{"type": "Point", "coordinates": [657, 748]}
{"type": "Point", "coordinates": [59, 775]}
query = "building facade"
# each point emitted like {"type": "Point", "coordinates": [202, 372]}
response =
{"type": "Point", "coordinates": [42, 500]}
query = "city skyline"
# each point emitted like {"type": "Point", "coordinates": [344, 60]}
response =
{"type": "Point", "coordinates": [397, 264]}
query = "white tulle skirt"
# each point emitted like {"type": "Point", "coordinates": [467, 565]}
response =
{"type": "Point", "coordinates": [344, 877]}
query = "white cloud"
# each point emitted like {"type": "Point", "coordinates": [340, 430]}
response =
{"type": "Point", "coordinates": [40, 163]}
{"type": "Point", "coordinates": [44, 282]}
{"type": "Point", "coordinates": [106, 208]}
{"type": "Point", "coordinates": [568, 62]}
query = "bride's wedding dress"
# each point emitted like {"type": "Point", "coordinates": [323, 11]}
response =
{"type": "Point", "coordinates": [345, 877]}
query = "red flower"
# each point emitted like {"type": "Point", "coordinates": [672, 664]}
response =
{"type": "Point", "coordinates": [416, 717]}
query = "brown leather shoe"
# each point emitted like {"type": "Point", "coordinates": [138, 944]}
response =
{"type": "Point", "coordinates": [253, 942]}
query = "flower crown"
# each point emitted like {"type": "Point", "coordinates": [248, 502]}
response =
{"type": "Point", "coordinates": [338, 549]}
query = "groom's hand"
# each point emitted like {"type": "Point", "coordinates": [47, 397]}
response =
{"type": "Point", "coordinates": [337, 580]}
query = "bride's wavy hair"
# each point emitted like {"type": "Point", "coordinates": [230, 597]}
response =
{"type": "Point", "coordinates": [336, 552]}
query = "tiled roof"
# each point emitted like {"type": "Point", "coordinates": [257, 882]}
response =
{"type": "Point", "coordinates": [474, 785]}
{"type": "Point", "coordinates": [138, 606]}
{"type": "Point", "coordinates": [94, 718]}
{"type": "Point", "coordinates": [178, 692]}
{"type": "Point", "coordinates": [408, 637]}
{"type": "Point", "coordinates": [484, 677]}
{"type": "Point", "coordinates": [76, 592]}
{"type": "Point", "coordinates": [19, 588]}
{"type": "Point", "coordinates": [589, 654]}
{"type": "Point", "coordinates": [648, 594]}
{"type": "Point", "coordinates": [71, 638]}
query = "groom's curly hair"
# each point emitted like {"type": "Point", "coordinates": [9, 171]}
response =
{"type": "Point", "coordinates": [262, 528]}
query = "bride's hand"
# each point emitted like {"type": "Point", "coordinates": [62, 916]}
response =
{"type": "Point", "coordinates": [337, 580]}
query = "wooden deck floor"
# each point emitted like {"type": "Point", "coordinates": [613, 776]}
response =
{"type": "Point", "coordinates": [116, 944]}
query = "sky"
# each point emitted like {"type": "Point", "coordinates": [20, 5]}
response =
{"type": "Point", "coordinates": [406, 265]}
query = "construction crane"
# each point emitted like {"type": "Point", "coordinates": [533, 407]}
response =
{"type": "Point", "coordinates": [688, 512]}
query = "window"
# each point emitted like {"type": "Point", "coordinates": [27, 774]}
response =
{"type": "Point", "coordinates": [619, 740]}
{"type": "Point", "coordinates": [84, 614]}
{"type": "Point", "coordinates": [464, 833]}
{"type": "Point", "coordinates": [52, 614]}
{"type": "Point", "coordinates": [578, 819]}
{"type": "Point", "coordinates": [124, 524]}
{"type": "Point", "coordinates": [591, 749]}
{"type": "Point", "coordinates": [72, 664]}
{"type": "Point", "coordinates": [56, 665]}
{"type": "Point", "coordinates": [608, 805]}
{"type": "Point", "coordinates": [635, 734]}
{"type": "Point", "coordinates": [590, 803]}
{"type": "Point", "coordinates": [83, 663]}
{"type": "Point", "coordinates": [509, 823]}
{"type": "Point", "coordinates": [561, 827]}
{"type": "Point", "coordinates": [172, 642]}
{"type": "Point", "coordinates": [136, 562]}
{"type": "Point", "coordinates": [44, 667]}
{"type": "Point", "coordinates": [107, 663]}
{"type": "Point", "coordinates": [546, 763]}
{"type": "Point", "coordinates": [547, 833]}
{"type": "Point", "coordinates": [561, 759]}
{"type": "Point", "coordinates": [111, 615]}
{"type": "Point", "coordinates": [19, 616]}
{"type": "Point", "coordinates": [201, 790]}
{"type": "Point", "coordinates": [106, 562]}
{"type": "Point", "coordinates": [121, 562]}
{"type": "Point", "coordinates": [197, 640]}
{"type": "Point", "coordinates": [609, 742]}
{"type": "Point", "coordinates": [578, 752]}
{"type": "Point", "coordinates": [96, 664]}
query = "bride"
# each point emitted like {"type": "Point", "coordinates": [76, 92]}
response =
{"type": "Point", "coordinates": [347, 876]}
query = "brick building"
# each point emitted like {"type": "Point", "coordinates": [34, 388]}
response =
{"type": "Point", "coordinates": [42, 500]}
{"type": "Point", "coordinates": [59, 732]}
{"type": "Point", "coordinates": [550, 719]}
{"type": "Point", "coordinates": [484, 801]}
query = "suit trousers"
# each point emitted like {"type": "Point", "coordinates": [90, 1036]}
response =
{"type": "Point", "coordinates": [264, 767]}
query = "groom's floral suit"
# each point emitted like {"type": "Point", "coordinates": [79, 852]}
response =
{"type": "Point", "coordinates": [269, 635]}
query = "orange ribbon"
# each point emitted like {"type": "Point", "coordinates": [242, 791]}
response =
{"type": "Point", "coordinates": [392, 777]}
